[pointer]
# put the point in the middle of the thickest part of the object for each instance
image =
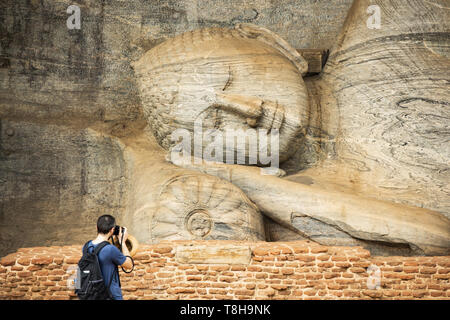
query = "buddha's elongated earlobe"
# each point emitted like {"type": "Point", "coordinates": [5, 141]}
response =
{"type": "Point", "coordinates": [252, 31]}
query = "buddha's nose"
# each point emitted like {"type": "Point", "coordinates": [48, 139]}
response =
{"type": "Point", "coordinates": [258, 112]}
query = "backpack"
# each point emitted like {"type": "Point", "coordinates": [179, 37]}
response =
{"type": "Point", "coordinates": [90, 282]}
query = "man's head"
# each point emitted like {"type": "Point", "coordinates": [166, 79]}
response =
{"type": "Point", "coordinates": [105, 224]}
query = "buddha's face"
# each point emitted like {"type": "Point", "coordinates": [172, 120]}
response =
{"type": "Point", "coordinates": [219, 84]}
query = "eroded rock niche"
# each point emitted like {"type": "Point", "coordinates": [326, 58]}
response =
{"type": "Point", "coordinates": [361, 156]}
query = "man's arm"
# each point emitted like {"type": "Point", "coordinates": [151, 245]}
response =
{"type": "Point", "coordinates": [128, 264]}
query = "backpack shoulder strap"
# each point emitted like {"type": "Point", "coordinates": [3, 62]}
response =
{"type": "Point", "coordinates": [100, 246]}
{"type": "Point", "coordinates": [85, 248]}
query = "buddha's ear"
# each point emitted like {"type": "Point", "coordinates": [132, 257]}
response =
{"type": "Point", "coordinates": [252, 31]}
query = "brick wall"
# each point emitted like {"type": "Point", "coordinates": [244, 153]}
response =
{"type": "Point", "coordinates": [236, 270]}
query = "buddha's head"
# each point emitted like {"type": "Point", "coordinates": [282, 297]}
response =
{"type": "Point", "coordinates": [244, 80]}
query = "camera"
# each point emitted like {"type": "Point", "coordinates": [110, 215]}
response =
{"type": "Point", "coordinates": [117, 230]}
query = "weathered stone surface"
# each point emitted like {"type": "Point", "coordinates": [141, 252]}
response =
{"type": "Point", "coordinates": [219, 254]}
{"type": "Point", "coordinates": [170, 203]}
{"type": "Point", "coordinates": [316, 59]}
{"type": "Point", "coordinates": [426, 231]}
{"type": "Point", "coordinates": [384, 103]}
{"type": "Point", "coordinates": [359, 102]}
{"type": "Point", "coordinates": [372, 136]}
{"type": "Point", "coordinates": [55, 83]}
{"type": "Point", "coordinates": [55, 182]}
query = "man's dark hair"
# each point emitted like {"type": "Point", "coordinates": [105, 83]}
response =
{"type": "Point", "coordinates": [105, 223]}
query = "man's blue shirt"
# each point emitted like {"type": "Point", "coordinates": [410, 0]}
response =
{"type": "Point", "coordinates": [109, 258]}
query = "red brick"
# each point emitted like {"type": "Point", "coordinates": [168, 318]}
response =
{"type": "Point", "coordinates": [254, 269]}
{"type": "Point", "coordinates": [305, 258]}
{"type": "Point", "coordinates": [16, 268]}
{"type": "Point", "coordinates": [357, 270]}
{"type": "Point", "coordinates": [428, 270]}
{"type": "Point", "coordinates": [325, 264]}
{"type": "Point", "coordinates": [338, 258]}
{"type": "Point", "coordinates": [163, 249]}
{"type": "Point", "coordinates": [202, 268]}
{"type": "Point", "coordinates": [394, 263]}
{"type": "Point", "coordinates": [58, 298]}
{"type": "Point", "coordinates": [220, 268]}
{"type": "Point", "coordinates": [411, 269]}
{"type": "Point", "coordinates": [285, 250]}
{"type": "Point", "coordinates": [407, 293]}
{"type": "Point", "coordinates": [244, 292]}
{"type": "Point", "coordinates": [444, 271]}
{"type": "Point", "coordinates": [343, 264]}
{"type": "Point", "coordinates": [352, 293]}
{"type": "Point", "coordinates": [391, 293]}
{"type": "Point", "coordinates": [72, 260]}
{"type": "Point", "coordinates": [42, 260]}
{"type": "Point", "coordinates": [278, 287]}
{"type": "Point", "coordinates": [217, 291]}
{"type": "Point", "coordinates": [9, 260]}
{"type": "Point", "coordinates": [24, 274]}
{"type": "Point", "coordinates": [301, 250]}
{"type": "Point", "coordinates": [437, 294]}
{"type": "Point", "coordinates": [334, 286]}
{"type": "Point", "coordinates": [310, 292]}
{"type": "Point", "coordinates": [373, 293]}
{"type": "Point", "coordinates": [250, 286]}
{"type": "Point", "coordinates": [261, 251]}
{"type": "Point", "coordinates": [275, 251]}
{"type": "Point", "coordinates": [419, 293]}
{"type": "Point", "coordinates": [25, 261]}
{"type": "Point", "coordinates": [319, 249]}
{"type": "Point", "coordinates": [362, 264]}
{"type": "Point", "coordinates": [287, 271]}
{"type": "Point", "coordinates": [323, 257]}
{"type": "Point", "coordinates": [58, 260]}
{"type": "Point", "coordinates": [313, 276]}
{"type": "Point", "coordinates": [34, 268]}
{"type": "Point", "coordinates": [406, 276]}
{"type": "Point", "coordinates": [227, 279]}
{"type": "Point", "coordinates": [164, 275]}
{"type": "Point", "coordinates": [141, 256]}
{"type": "Point", "coordinates": [237, 268]}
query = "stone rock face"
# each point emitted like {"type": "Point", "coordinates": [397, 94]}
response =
{"type": "Point", "coordinates": [339, 214]}
{"type": "Point", "coordinates": [171, 203]}
{"type": "Point", "coordinates": [365, 148]}
{"type": "Point", "coordinates": [55, 83]}
{"type": "Point", "coordinates": [55, 182]}
{"type": "Point", "coordinates": [384, 99]}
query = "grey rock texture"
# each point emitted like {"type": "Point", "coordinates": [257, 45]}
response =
{"type": "Point", "coordinates": [384, 96]}
{"type": "Point", "coordinates": [55, 83]}
{"type": "Point", "coordinates": [69, 106]}
{"type": "Point", "coordinates": [54, 183]}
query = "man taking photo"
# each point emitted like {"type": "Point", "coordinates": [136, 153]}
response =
{"type": "Point", "coordinates": [109, 257]}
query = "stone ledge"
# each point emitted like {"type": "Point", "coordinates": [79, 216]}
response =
{"type": "Point", "coordinates": [205, 254]}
